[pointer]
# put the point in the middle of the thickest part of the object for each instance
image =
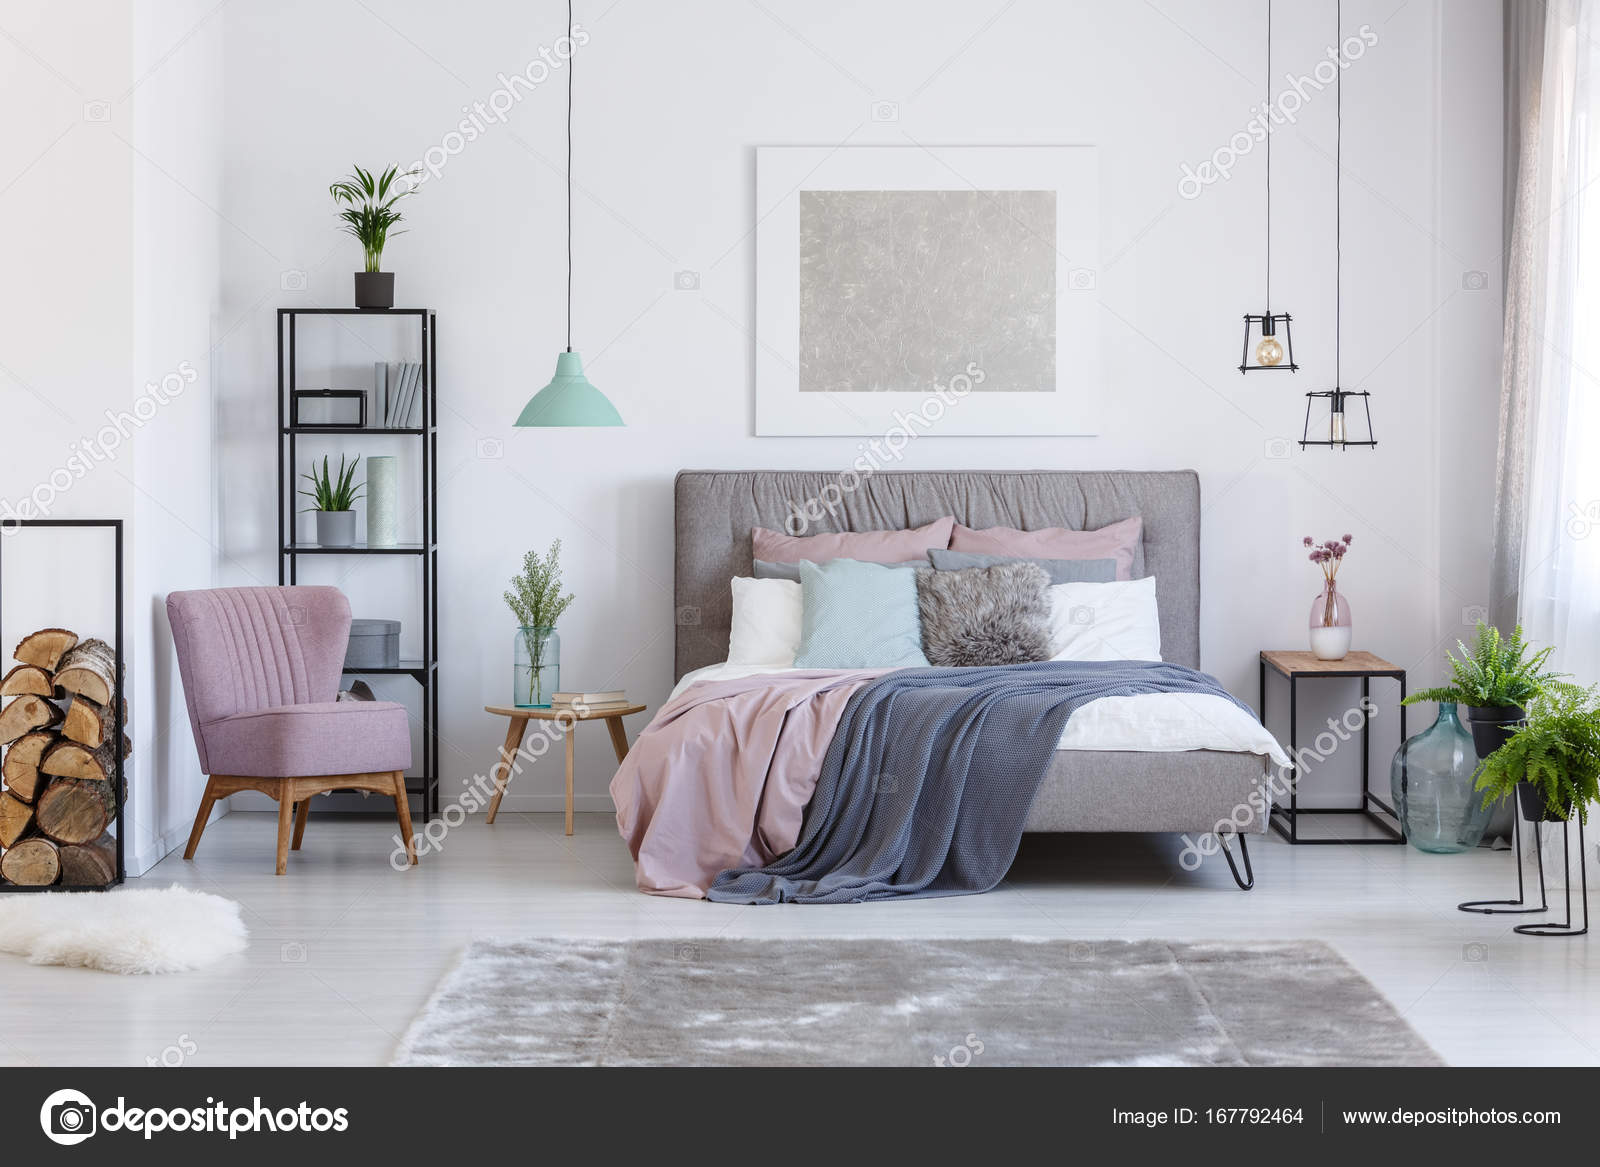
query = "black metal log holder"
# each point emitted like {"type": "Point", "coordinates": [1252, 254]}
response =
{"type": "Point", "coordinates": [7, 528]}
{"type": "Point", "coordinates": [1520, 906]}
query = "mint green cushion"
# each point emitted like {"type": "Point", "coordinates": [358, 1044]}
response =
{"type": "Point", "coordinates": [858, 615]}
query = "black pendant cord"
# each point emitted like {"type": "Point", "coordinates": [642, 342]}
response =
{"type": "Point", "coordinates": [572, 55]}
{"type": "Point", "coordinates": [1269, 162]}
{"type": "Point", "coordinates": [1338, 206]}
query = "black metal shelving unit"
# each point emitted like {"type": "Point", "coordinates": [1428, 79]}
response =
{"type": "Point", "coordinates": [424, 670]}
{"type": "Point", "coordinates": [7, 529]}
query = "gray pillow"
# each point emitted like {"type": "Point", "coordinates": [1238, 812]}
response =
{"type": "Point", "coordinates": [1060, 571]}
{"type": "Point", "coordinates": [985, 615]}
{"type": "Point", "coordinates": [766, 569]}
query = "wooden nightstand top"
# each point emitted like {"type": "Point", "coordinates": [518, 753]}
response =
{"type": "Point", "coordinates": [1305, 664]}
{"type": "Point", "coordinates": [548, 714]}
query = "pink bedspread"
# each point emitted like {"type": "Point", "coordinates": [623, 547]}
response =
{"type": "Point", "coordinates": [721, 776]}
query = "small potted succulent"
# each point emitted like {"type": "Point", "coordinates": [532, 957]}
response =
{"type": "Point", "coordinates": [333, 496]}
{"type": "Point", "coordinates": [1330, 611]}
{"type": "Point", "coordinates": [1552, 760]}
{"type": "Point", "coordinates": [535, 599]}
{"type": "Point", "coordinates": [370, 214]}
{"type": "Point", "coordinates": [1494, 680]}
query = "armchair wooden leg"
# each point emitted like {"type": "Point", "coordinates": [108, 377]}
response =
{"type": "Point", "coordinates": [402, 808]}
{"type": "Point", "coordinates": [285, 827]}
{"type": "Point", "coordinates": [207, 802]}
{"type": "Point", "coordinates": [301, 812]}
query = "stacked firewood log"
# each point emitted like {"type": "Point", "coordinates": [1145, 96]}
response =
{"type": "Point", "coordinates": [59, 771]}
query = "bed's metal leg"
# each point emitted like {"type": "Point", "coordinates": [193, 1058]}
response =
{"type": "Point", "coordinates": [1248, 880]}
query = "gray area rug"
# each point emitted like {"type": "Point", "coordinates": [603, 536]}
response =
{"type": "Point", "coordinates": [724, 1002]}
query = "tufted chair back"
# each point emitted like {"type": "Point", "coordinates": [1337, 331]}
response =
{"type": "Point", "coordinates": [243, 649]}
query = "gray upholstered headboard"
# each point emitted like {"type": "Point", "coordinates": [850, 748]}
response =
{"type": "Point", "coordinates": [715, 509]}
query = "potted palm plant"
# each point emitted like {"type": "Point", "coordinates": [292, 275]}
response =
{"type": "Point", "coordinates": [333, 496]}
{"type": "Point", "coordinates": [1552, 760]}
{"type": "Point", "coordinates": [535, 599]}
{"type": "Point", "coordinates": [370, 214]}
{"type": "Point", "coordinates": [1494, 680]}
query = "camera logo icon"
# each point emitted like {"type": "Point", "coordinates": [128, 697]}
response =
{"type": "Point", "coordinates": [686, 281]}
{"type": "Point", "coordinates": [688, 616]}
{"type": "Point", "coordinates": [292, 280]}
{"type": "Point", "coordinates": [68, 1117]}
{"type": "Point", "coordinates": [1082, 279]}
{"type": "Point", "coordinates": [1276, 449]}
{"type": "Point", "coordinates": [1081, 614]}
{"type": "Point", "coordinates": [885, 111]}
{"type": "Point", "coordinates": [490, 449]}
{"type": "Point", "coordinates": [1474, 281]}
{"type": "Point", "coordinates": [97, 111]}
{"type": "Point", "coordinates": [1474, 614]}
{"type": "Point", "coordinates": [294, 952]}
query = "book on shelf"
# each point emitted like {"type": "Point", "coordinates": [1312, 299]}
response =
{"type": "Point", "coordinates": [378, 407]}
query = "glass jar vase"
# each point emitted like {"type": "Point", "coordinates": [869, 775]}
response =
{"type": "Point", "coordinates": [1431, 779]}
{"type": "Point", "coordinates": [536, 667]}
{"type": "Point", "coordinates": [1330, 624]}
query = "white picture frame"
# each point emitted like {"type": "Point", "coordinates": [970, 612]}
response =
{"type": "Point", "coordinates": [1059, 400]}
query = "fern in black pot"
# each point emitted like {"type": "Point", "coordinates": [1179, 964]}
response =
{"type": "Point", "coordinates": [1494, 681]}
{"type": "Point", "coordinates": [1552, 760]}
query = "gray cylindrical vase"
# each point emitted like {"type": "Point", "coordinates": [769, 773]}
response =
{"type": "Point", "coordinates": [382, 501]}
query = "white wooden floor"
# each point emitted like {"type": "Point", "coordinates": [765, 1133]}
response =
{"type": "Point", "coordinates": [344, 950]}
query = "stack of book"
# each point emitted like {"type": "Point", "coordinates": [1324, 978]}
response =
{"type": "Point", "coordinates": [397, 391]}
{"type": "Point", "coordinates": [597, 702]}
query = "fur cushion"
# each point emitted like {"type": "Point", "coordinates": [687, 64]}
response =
{"type": "Point", "coordinates": [985, 615]}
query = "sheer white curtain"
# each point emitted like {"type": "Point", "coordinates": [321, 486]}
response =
{"type": "Point", "coordinates": [1558, 238]}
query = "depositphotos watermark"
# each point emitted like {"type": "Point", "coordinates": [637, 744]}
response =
{"type": "Point", "coordinates": [89, 452]}
{"type": "Point", "coordinates": [481, 789]}
{"type": "Point", "coordinates": [492, 110]}
{"type": "Point", "coordinates": [70, 1117]}
{"type": "Point", "coordinates": [1257, 806]}
{"type": "Point", "coordinates": [873, 455]}
{"type": "Point", "coordinates": [1283, 109]}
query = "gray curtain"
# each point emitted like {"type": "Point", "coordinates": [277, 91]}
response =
{"type": "Point", "coordinates": [1524, 73]}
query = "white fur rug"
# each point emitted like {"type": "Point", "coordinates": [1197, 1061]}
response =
{"type": "Point", "coordinates": [125, 932]}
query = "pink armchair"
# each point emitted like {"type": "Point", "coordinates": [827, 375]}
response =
{"type": "Point", "coordinates": [261, 670]}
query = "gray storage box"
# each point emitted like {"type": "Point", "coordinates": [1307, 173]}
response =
{"type": "Point", "coordinates": [374, 644]}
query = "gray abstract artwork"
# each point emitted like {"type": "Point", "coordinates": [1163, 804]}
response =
{"type": "Point", "coordinates": [901, 290]}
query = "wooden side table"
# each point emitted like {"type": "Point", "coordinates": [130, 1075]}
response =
{"type": "Point", "coordinates": [519, 724]}
{"type": "Point", "coordinates": [1297, 666]}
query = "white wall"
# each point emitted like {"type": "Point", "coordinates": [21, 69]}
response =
{"type": "Point", "coordinates": [111, 114]}
{"type": "Point", "coordinates": [672, 100]}
{"type": "Point", "coordinates": [226, 126]}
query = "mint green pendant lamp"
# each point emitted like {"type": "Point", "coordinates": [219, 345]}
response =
{"type": "Point", "coordinates": [569, 399]}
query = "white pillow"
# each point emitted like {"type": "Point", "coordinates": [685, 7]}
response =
{"type": "Point", "coordinates": [1105, 621]}
{"type": "Point", "coordinates": [766, 622]}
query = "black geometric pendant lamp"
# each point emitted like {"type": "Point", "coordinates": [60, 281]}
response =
{"type": "Point", "coordinates": [1268, 340]}
{"type": "Point", "coordinates": [1339, 432]}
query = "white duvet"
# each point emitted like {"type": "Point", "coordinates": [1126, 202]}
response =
{"type": "Point", "coordinates": [1159, 722]}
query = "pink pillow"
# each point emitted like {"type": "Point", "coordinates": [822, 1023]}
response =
{"type": "Point", "coordinates": [1117, 541]}
{"type": "Point", "coordinates": [866, 546]}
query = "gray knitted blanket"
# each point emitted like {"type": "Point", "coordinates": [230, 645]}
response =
{"type": "Point", "coordinates": [931, 774]}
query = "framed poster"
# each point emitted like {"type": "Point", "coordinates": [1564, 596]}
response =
{"type": "Point", "coordinates": [958, 283]}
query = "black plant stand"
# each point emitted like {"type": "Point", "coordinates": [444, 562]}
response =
{"type": "Point", "coordinates": [424, 670]}
{"type": "Point", "coordinates": [1520, 905]}
{"type": "Point", "coordinates": [7, 531]}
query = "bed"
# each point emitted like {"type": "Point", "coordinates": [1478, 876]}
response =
{"type": "Point", "coordinates": [1189, 791]}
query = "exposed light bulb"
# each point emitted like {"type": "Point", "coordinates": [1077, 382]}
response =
{"type": "Point", "coordinates": [1269, 352]}
{"type": "Point", "coordinates": [1336, 426]}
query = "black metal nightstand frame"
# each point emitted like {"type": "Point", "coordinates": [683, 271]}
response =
{"type": "Point", "coordinates": [1286, 819]}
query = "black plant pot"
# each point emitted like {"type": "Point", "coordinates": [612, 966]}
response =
{"type": "Point", "coordinates": [374, 289]}
{"type": "Point", "coordinates": [1491, 725]}
{"type": "Point", "coordinates": [1534, 807]}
